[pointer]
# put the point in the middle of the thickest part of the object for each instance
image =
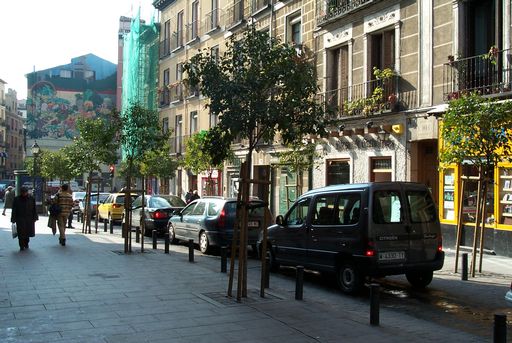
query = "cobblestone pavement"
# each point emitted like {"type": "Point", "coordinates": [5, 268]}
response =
{"type": "Point", "coordinates": [89, 291]}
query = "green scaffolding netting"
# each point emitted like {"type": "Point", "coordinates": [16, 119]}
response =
{"type": "Point", "coordinates": [140, 67]}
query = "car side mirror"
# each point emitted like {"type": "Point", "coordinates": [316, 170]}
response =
{"type": "Point", "coordinates": [280, 220]}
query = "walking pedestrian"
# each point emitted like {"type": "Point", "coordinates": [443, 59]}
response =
{"type": "Point", "coordinates": [64, 199]}
{"type": "Point", "coordinates": [188, 195]}
{"type": "Point", "coordinates": [8, 199]}
{"type": "Point", "coordinates": [24, 214]}
{"type": "Point", "coordinates": [194, 196]}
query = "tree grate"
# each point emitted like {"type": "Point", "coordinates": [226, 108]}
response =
{"type": "Point", "coordinates": [253, 297]}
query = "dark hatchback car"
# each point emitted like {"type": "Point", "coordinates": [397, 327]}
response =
{"type": "Point", "coordinates": [209, 222]}
{"type": "Point", "coordinates": [158, 209]}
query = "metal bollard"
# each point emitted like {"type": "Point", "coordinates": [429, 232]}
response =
{"type": "Point", "coordinates": [464, 274]}
{"type": "Point", "coordinates": [166, 243]}
{"type": "Point", "coordinates": [137, 235]}
{"type": "Point", "coordinates": [267, 272]}
{"type": "Point", "coordinates": [104, 226]}
{"type": "Point", "coordinates": [111, 227]}
{"type": "Point", "coordinates": [154, 239]}
{"type": "Point", "coordinates": [299, 283]}
{"type": "Point", "coordinates": [223, 259]}
{"type": "Point", "coordinates": [191, 250]}
{"type": "Point", "coordinates": [374, 303]}
{"type": "Point", "coordinates": [500, 328]}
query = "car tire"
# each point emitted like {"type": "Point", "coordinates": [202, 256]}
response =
{"type": "Point", "coordinates": [421, 279]}
{"type": "Point", "coordinates": [273, 264]}
{"type": "Point", "coordinates": [172, 235]}
{"type": "Point", "coordinates": [204, 243]}
{"type": "Point", "coordinates": [349, 278]}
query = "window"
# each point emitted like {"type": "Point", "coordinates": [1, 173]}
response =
{"type": "Point", "coordinates": [382, 51]}
{"type": "Point", "coordinates": [199, 209]}
{"type": "Point", "coordinates": [188, 210]}
{"type": "Point", "coordinates": [165, 96]}
{"type": "Point", "coordinates": [214, 208]}
{"type": "Point", "coordinates": [165, 125]}
{"type": "Point", "coordinates": [214, 119]}
{"type": "Point", "coordinates": [214, 16]}
{"type": "Point", "coordinates": [298, 213]}
{"type": "Point", "coordinates": [349, 208]}
{"type": "Point", "coordinates": [194, 24]}
{"type": "Point", "coordinates": [179, 134]}
{"type": "Point", "coordinates": [469, 198]}
{"type": "Point", "coordinates": [325, 211]}
{"type": "Point", "coordinates": [381, 169]}
{"type": "Point", "coordinates": [179, 29]}
{"type": "Point", "coordinates": [294, 30]}
{"type": "Point", "coordinates": [337, 76]}
{"type": "Point", "coordinates": [338, 172]}
{"type": "Point", "coordinates": [193, 122]}
{"type": "Point", "coordinates": [387, 207]}
{"type": "Point", "coordinates": [215, 54]}
{"type": "Point", "coordinates": [178, 89]}
{"type": "Point", "coordinates": [421, 207]}
{"type": "Point", "coordinates": [167, 35]}
{"type": "Point", "coordinates": [65, 74]}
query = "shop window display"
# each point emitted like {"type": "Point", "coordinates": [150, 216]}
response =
{"type": "Point", "coordinates": [505, 193]}
{"type": "Point", "coordinates": [470, 197]}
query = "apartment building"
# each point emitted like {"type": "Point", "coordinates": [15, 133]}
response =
{"type": "Point", "coordinates": [190, 26]}
{"type": "Point", "coordinates": [15, 136]}
{"type": "Point", "coordinates": [3, 130]}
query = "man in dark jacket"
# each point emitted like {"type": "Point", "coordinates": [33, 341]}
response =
{"type": "Point", "coordinates": [24, 214]}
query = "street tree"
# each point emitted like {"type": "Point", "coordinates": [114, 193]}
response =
{"type": "Point", "coordinates": [478, 131]}
{"type": "Point", "coordinates": [56, 165]}
{"type": "Point", "coordinates": [257, 88]}
{"type": "Point", "coordinates": [140, 133]}
{"type": "Point", "coordinates": [198, 159]}
{"type": "Point", "coordinates": [158, 162]}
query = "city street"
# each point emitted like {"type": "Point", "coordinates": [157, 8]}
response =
{"type": "Point", "coordinates": [90, 291]}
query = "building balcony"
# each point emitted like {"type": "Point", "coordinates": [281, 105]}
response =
{"type": "Point", "coordinates": [164, 48]}
{"type": "Point", "coordinates": [164, 97]}
{"type": "Point", "coordinates": [259, 5]}
{"type": "Point", "coordinates": [192, 31]}
{"type": "Point", "coordinates": [211, 21]}
{"type": "Point", "coordinates": [176, 40]}
{"type": "Point", "coordinates": [329, 10]}
{"type": "Point", "coordinates": [364, 99]}
{"type": "Point", "coordinates": [178, 144]}
{"type": "Point", "coordinates": [488, 75]}
{"type": "Point", "coordinates": [234, 14]}
{"type": "Point", "coordinates": [176, 92]}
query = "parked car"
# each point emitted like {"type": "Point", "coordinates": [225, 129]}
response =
{"type": "Point", "coordinates": [359, 230]}
{"type": "Point", "coordinates": [157, 211]}
{"type": "Point", "coordinates": [112, 209]}
{"type": "Point", "coordinates": [209, 222]}
{"type": "Point", "coordinates": [93, 203]}
{"type": "Point", "coordinates": [508, 296]}
{"type": "Point", "coordinates": [78, 197]}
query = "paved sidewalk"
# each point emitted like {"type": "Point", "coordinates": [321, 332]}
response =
{"type": "Point", "coordinates": [90, 292]}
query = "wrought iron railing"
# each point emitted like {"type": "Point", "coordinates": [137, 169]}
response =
{"type": "Point", "coordinates": [211, 20]}
{"type": "Point", "coordinates": [164, 97]}
{"type": "Point", "coordinates": [234, 14]}
{"type": "Point", "coordinates": [165, 48]}
{"type": "Point", "coordinates": [331, 9]}
{"type": "Point", "coordinates": [487, 74]}
{"type": "Point", "coordinates": [375, 96]}
{"type": "Point", "coordinates": [176, 92]}
{"type": "Point", "coordinates": [193, 30]}
{"type": "Point", "coordinates": [257, 5]}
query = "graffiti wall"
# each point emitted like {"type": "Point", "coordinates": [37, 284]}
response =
{"type": "Point", "coordinates": [53, 114]}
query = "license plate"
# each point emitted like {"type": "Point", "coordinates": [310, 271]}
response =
{"type": "Point", "coordinates": [253, 224]}
{"type": "Point", "coordinates": [391, 255]}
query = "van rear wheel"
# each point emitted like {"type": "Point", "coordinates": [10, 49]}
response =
{"type": "Point", "coordinates": [420, 279]}
{"type": "Point", "coordinates": [349, 278]}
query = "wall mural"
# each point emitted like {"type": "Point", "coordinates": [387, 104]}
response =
{"type": "Point", "coordinates": [49, 115]}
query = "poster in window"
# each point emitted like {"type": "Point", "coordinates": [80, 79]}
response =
{"type": "Point", "coordinates": [449, 199]}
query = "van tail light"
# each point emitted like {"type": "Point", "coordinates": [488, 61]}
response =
{"type": "Point", "coordinates": [116, 205]}
{"type": "Point", "coordinates": [439, 244]}
{"type": "Point", "coordinates": [222, 219]}
{"type": "Point", "coordinates": [370, 249]}
{"type": "Point", "coordinates": [158, 215]}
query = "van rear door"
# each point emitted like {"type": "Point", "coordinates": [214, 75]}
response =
{"type": "Point", "coordinates": [389, 229]}
{"type": "Point", "coordinates": [424, 224]}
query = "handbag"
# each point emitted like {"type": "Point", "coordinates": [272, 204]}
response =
{"type": "Point", "coordinates": [54, 210]}
{"type": "Point", "coordinates": [14, 230]}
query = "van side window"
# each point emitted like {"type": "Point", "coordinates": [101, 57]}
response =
{"type": "Point", "coordinates": [325, 211]}
{"type": "Point", "coordinates": [387, 207]}
{"type": "Point", "coordinates": [421, 207]}
{"type": "Point", "coordinates": [298, 213]}
{"type": "Point", "coordinates": [349, 208]}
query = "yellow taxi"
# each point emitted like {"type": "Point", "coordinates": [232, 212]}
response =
{"type": "Point", "coordinates": [112, 209]}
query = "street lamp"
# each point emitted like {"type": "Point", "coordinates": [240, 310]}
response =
{"type": "Point", "coordinates": [35, 152]}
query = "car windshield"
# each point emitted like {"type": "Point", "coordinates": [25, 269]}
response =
{"type": "Point", "coordinates": [174, 201]}
{"type": "Point", "coordinates": [158, 202]}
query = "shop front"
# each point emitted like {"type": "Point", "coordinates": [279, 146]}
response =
{"type": "Point", "coordinates": [498, 209]}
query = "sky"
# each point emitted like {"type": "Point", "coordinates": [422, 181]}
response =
{"type": "Point", "coordinates": [42, 34]}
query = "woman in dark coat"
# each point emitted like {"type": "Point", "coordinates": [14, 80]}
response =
{"type": "Point", "coordinates": [24, 214]}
